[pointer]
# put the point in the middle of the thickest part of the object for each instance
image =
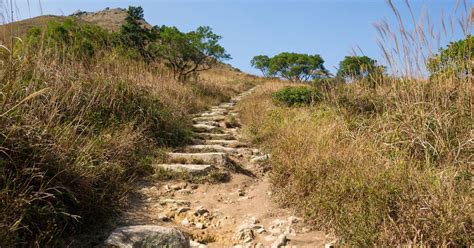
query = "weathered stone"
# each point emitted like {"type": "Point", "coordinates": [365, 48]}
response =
{"type": "Point", "coordinates": [175, 202]}
{"type": "Point", "coordinates": [216, 136]}
{"type": "Point", "coordinates": [293, 219]}
{"type": "Point", "coordinates": [163, 217]}
{"type": "Point", "coordinates": [230, 143]}
{"type": "Point", "coordinates": [182, 210]}
{"type": "Point", "coordinates": [200, 225]}
{"type": "Point", "coordinates": [179, 186]}
{"type": "Point", "coordinates": [244, 236]}
{"type": "Point", "coordinates": [195, 169]}
{"type": "Point", "coordinates": [202, 128]}
{"type": "Point", "coordinates": [214, 158]}
{"type": "Point", "coordinates": [209, 118]}
{"type": "Point", "coordinates": [200, 211]}
{"type": "Point", "coordinates": [146, 236]}
{"type": "Point", "coordinates": [280, 241]}
{"type": "Point", "coordinates": [185, 222]}
{"type": "Point", "coordinates": [210, 148]}
{"type": "Point", "coordinates": [258, 159]}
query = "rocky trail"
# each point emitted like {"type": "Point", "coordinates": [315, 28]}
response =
{"type": "Point", "coordinates": [238, 212]}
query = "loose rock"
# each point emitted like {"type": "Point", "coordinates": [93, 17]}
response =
{"type": "Point", "coordinates": [280, 241]}
{"type": "Point", "coordinates": [146, 236]}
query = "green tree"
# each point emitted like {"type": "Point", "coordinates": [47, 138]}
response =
{"type": "Point", "coordinates": [456, 60]}
{"type": "Point", "coordinates": [134, 34]}
{"type": "Point", "coordinates": [359, 67]}
{"type": "Point", "coordinates": [189, 53]}
{"type": "Point", "coordinates": [297, 67]}
{"type": "Point", "coordinates": [261, 62]}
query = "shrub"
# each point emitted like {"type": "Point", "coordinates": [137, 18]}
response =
{"type": "Point", "coordinates": [297, 96]}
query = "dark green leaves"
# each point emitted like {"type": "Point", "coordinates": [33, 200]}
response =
{"type": "Point", "coordinates": [297, 96]}
{"type": "Point", "coordinates": [187, 53]}
{"type": "Point", "coordinates": [456, 60]}
{"type": "Point", "coordinates": [294, 67]}
{"type": "Point", "coordinates": [261, 62]}
{"type": "Point", "coordinates": [358, 67]}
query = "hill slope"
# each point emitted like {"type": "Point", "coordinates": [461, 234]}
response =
{"type": "Point", "coordinates": [110, 19]}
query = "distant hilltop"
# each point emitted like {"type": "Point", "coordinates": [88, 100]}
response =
{"type": "Point", "coordinates": [109, 18]}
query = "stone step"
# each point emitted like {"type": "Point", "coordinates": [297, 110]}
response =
{"type": "Point", "coordinates": [203, 128]}
{"type": "Point", "coordinates": [194, 169]}
{"type": "Point", "coordinates": [214, 158]}
{"type": "Point", "coordinates": [216, 136]}
{"type": "Point", "coordinates": [209, 148]}
{"type": "Point", "coordinates": [213, 113]}
{"type": "Point", "coordinates": [209, 118]}
{"type": "Point", "coordinates": [209, 123]}
{"type": "Point", "coordinates": [226, 105]}
{"type": "Point", "coordinates": [228, 143]}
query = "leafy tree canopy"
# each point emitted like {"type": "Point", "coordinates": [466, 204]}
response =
{"type": "Point", "coordinates": [298, 67]}
{"type": "Point", "coordinates": [358, 67]}
{"type": "Point", "coordinates": [187, 53]}
{"type": "Point", "coordinates": [261, 62]}
{"type": "Point", "coordinates": [134, 34]}
{"type": "Point", "coordinates": [456, 60]}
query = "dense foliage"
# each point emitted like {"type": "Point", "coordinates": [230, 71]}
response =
{"type": "Point", "coordinates": [262, 63]}
{"type": "Point", "coordinates": [294, 67]}
{"type": "Point", "coordinates": [359, 67]}
{"type": "Point", "coordinates": [297, 96]}
{"type": "Point", "coordinates": [456, 60]}
{"type": "Point", "coordinates": [188, 53]}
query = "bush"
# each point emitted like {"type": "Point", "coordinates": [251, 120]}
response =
{"type": "Point", "coordinates": [297, 96]}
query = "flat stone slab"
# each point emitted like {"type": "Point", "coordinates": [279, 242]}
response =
{"type": "Point", "coordinates": [210, 148]}
{"type": "Point", "coordinates": [146, 236]}
{"type": "Point", "coordinates": [216, 136]}
{"type": "Point", "coordinates": [209, 118]}
{"type": "Point", "coordinates": [205, 128]}
{"type": "Point", "coordinates": [227, 105]}
{"type": "Point", "coordinates": [213, 113]}
{"type": "Point", "coordinates": [194, 169]}
{"type": "Point", "coordinates": [214, 158]}
{"type": "Point", "coordinates": [209, 123]}
{"type": "Point", "coordinates": [230, 143]}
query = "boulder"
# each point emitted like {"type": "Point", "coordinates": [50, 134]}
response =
{"type": "Point", "coordinates": [146, 236]}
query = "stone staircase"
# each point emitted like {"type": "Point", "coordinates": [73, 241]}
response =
{"type": "Point", "coordinates": [216, 140]}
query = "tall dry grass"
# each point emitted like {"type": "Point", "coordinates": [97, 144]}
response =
{"type": "Point", "coordinates": [380, 167]}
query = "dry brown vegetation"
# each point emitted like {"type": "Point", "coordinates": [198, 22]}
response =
{"type": "Point", "coordinates": [382, 164]}
{"type": "Point", "coordinates": [386, 168]}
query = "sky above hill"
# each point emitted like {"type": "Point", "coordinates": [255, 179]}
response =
{"type": "Point", "coordinates": [331, 28]}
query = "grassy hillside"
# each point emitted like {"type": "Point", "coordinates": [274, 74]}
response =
{"type": "Point", "coordinates": [110, 19]}
{"type": "Point", "coordinates": [81, 117]}
{"type": "Point", "coordinates": [21, 27]}
{"type": "Point", "coordinates": [381, 167]}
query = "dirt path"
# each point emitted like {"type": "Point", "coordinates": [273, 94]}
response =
{"type": "Point", "coordinates": [235, 213]}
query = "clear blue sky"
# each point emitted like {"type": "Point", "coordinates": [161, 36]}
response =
{"type": "Point", "coordinates": [331, 28]}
